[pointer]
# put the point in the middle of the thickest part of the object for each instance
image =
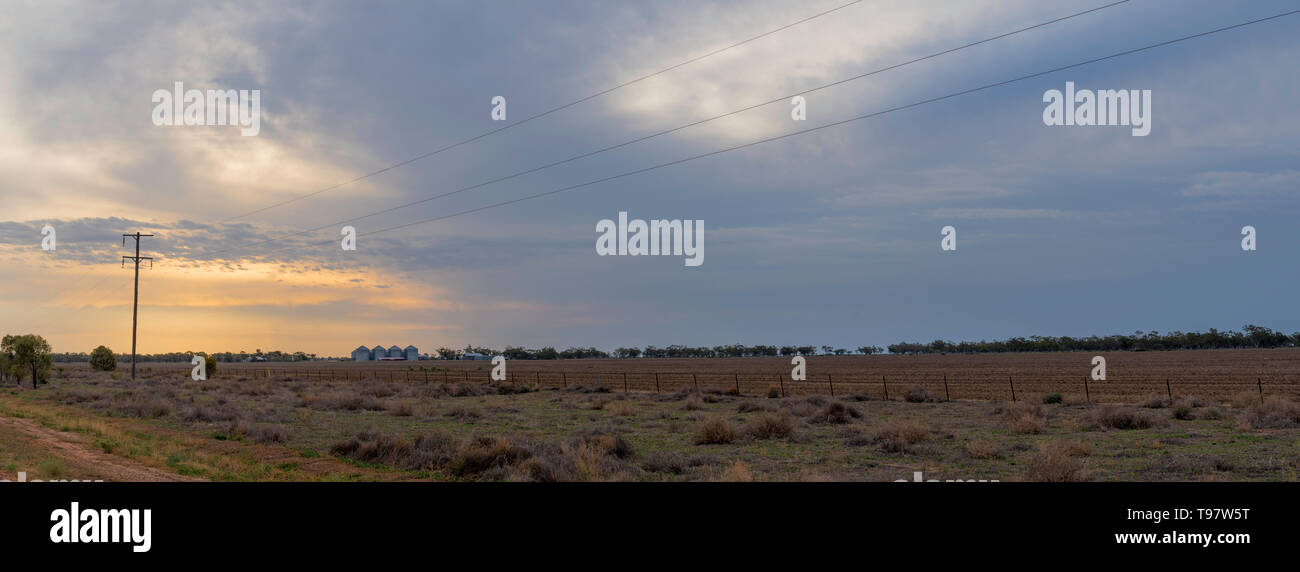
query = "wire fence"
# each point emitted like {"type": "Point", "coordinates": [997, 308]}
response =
{"type": "Point", "coordinates": [967, 385]}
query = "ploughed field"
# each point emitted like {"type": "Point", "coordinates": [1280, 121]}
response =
{"type": "Point", "coordinates": [551, 421]}
{"type": "Point", "coordinates": [1129, 375]}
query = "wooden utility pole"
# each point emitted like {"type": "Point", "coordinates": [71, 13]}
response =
{"type": "Point", "coordinates": [135, 303]}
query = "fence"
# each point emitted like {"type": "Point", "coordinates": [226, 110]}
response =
{"type": "Point", "coordinates": [966, 386]}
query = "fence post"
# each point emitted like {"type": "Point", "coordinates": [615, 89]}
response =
{"type": "Point", "coordinates": [1168, 390]}
{"type": "Point", "coordinates": [831, 382]}
{"type": "Point", "coordinates": [946, 396]}
{"type": "Point", "coordinates": [538, 381]}
{"type": "Point", "coordinates": [737, 383]}
{"type": "Point", "coordinates": [565, 378]}
{"type": "Point", "coordinates": [697, 382]}
{"type": "Point", "coordinates": [1013, 388]}
{"type": "Point", "coordinates": [1086, 396]}
{"type": "Point", "coordinates": [885, 384]}
{"type": "Point", "coordinates": [781, 380]}
{"type": "Point", "coordinates": [625, 382]}
{"type": "Point", "coordinates": [656, 382]}
{"type": "Point", "coordinates": [1260, 384]}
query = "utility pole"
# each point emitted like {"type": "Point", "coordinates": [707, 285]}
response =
{"type": "Point", "coordinates": [135, 305]}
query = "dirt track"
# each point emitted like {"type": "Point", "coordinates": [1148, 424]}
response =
{"type": "Point", "coordinates": [78, 450]}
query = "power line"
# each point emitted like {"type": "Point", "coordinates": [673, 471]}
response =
{"type": "Point", "coordinates": [135, 305]}
{"type": "Point", "coordinates": [663, 132]}
{"type": "Point", "coordinates": [542, 114]}
{"type": "Point", "coordinates": [828, 125]}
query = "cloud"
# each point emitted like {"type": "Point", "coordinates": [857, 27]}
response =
{"type": "Point", "coordinates": [1239, 184]}
{"type": "Point", "coordinates": [997, 214]}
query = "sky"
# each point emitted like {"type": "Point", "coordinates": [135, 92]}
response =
{"type": "Point", "coordinates": [830, 237]}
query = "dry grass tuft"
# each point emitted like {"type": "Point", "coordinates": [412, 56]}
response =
{"type": "Point", "coordinates": [1273, 413]}
{"type": "Point", "coordinates": [918, 394]}
{"type": "Point", "coordinates": [737, 472]}
{"type": "Point", "coordinates": [1023, 417]}
{"type": "Point", "coordinates": [771, 426]}
{"type": "Point", "coordinates": [715, 431]}
{"type": "Point", "coordinates": [1057, 463]}
{"type": "Point", "coordinates": [837, 413]}
{"type": "Point", "coordinates": [900, 436]}
{"type": "Point", "coordinates": [463, 413]}
{"type": "Point", "coordinates": [981, 449]}
{"type": "Point", "coordinates": [1116, 417]}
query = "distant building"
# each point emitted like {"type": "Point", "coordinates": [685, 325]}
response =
{"type": "Point", "coordinates": [474, 356]}
{"type": "Point", "coordinates": [380, 353]}
{"type": "Point", "coordinates": [361, 354]}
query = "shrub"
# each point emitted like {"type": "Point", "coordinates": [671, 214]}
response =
{"type": "Point", "coordinates": [693, 403]}
{"type": "Point", "coordinates": [1054, 463]}
{"type": "Point", "coordinates": [604, 443]}
{"type": "Point", "coordinates": [1113, 417]}
{"type": "Point", "coordinates": [737, 472]}
{"type": "Point", "coordinates": [899, 436]}
{"type": "Point", "coordinates": [1157, 402]}
{"type": "Point", "coordinates": [484, 453]}
{"type": "Point", "coordinates": [401, 409]}
{"type": "Point", "coordinates": [102, 359]}
{"type": "Point", "coordinates": [1052, 398]}
{"type": "Point", "coordinates": [259, 432]}
{"type": "Point", "coordinates": [665, 462]}
{"type": "Point", "coordinates": [148, 408]}
{"type": "Point", "coordinates": [771, 426]}
{"type": "Point", "coordinates": [715, 431]}
{"type": "Point", "coordinates": [773, 391]}
{"type": "Point", "coordinates": [463, 413]}
{"type": "Point", "coordinates": [1023, 417]}
{"type": "Point", "coordinates": [1273, 413]}
{"type": "Point", "coordinates": [210, 413]}
{"type": "Point", "coordinates": [981, 449]}
{"type": "Point", "coordinates": [622, 407]}
{"type": "Point", "coordinates": [837, 412]}
{"type": "Point", "coordinates": [1211, 414]}
{"type": "Point", "coordinates": [918, 394]}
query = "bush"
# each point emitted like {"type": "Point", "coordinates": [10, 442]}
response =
{"type": "Point", "coordinates": [837, 412]}
{"type": "Point", "coordinates": [1055, 463]}
{"type": "Point", "coordinates": [899, 436]}
{"type": "Point", "coordinates": [1023, 417]}
{"type": "Point", "coordinates": [918, 394]}
{"type": "Point", "coordinates": [463, 413]}
{"type": "Point", "coordinates": [102, 359]}
{"type": "Point", "coordinates": [715, 431]}
{"type": "Point", "coordinates": [1273, 413]}
{"type": "Point", "coordinates": [1112, 417]}
{"type": "Point", "coordinates": [982, 450]}
{"type": "Point", "coordinates": [1052, 398]}
{"type": "Point", "coordinates": [771, 426]}
{"type": "Point", "coordinates": [1157, 402]}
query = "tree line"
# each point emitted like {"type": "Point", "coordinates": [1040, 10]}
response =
{"type": "Point", "coordinates": [258, 355]}
{"type": "Point", "coordinates": [673, 351]}
{"type": "Point", "coordinates": [1251, 336]}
